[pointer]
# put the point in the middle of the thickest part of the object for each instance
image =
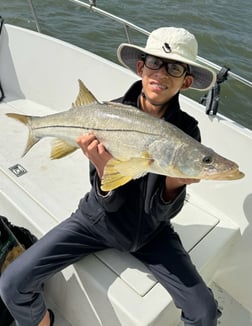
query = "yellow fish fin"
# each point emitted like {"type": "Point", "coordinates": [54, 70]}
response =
{"type": "Point", "coordinates": [60, 149]}
{"type": "Point", "coordinates": [118, 173]}
{"type": "Point", "coordinates": [117, 181]}
{"type": "Point", "coordinates": [84, 97]}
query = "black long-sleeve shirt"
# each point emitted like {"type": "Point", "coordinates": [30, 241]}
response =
{"type": "Point", "coordinates": [135, 212]}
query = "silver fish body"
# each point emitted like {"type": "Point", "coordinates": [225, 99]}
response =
{"type": "Point", "coordinates": [138, 142]}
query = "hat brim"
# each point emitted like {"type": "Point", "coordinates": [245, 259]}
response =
{"type": "Point", "coordinates": [203, 77]}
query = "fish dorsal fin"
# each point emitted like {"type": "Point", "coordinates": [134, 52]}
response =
{"type": "Point", "coordinates": [84, 97]}
{"type": "Point", "coordinates": [118, 173]}
{"type": "Point", "coordinates": [61, 148]}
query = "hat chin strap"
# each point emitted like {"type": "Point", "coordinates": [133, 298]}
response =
{"type": "Point", "coordinates": [147, 99]}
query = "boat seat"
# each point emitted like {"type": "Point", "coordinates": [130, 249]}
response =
{"type": "Point", "coordinates": [110, 285]}
{"type": "Point", "coordinates": [132, 294]}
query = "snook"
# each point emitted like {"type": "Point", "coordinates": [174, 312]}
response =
{"type": "Point", "coordinates": [138, 142]}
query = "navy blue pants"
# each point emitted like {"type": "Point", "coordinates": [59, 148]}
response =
{"type": "Point", "coordinates": [21, 284]}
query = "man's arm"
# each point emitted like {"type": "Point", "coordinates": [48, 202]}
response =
{"type": "Point", "coordinates": [174, 185]}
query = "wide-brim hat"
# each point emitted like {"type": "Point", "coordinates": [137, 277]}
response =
{"type": "Point", "coordinates": [170, 43]}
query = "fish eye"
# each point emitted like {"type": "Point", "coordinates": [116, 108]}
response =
{"type": "Point", "coordinates": [207, 160]}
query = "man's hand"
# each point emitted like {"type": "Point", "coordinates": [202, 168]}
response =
{"type": "Point", "coordinates": [173, 185]}
{"type": "Point", "coordinates": [94, 151]}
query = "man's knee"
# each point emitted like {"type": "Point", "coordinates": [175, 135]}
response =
{"type": "Point", "coordinates": [7, 286]}
{"type": "Point", "coordinates": [12, 281]}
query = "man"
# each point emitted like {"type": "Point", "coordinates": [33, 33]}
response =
{"type": "Point", "coordinates": [135, 217]}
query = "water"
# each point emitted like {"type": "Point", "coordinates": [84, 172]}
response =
{"type": "Point", "coordinates": [223, 29]}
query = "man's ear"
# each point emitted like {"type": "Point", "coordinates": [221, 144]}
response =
{"type": "Point", "coordinates": [187, 82]}
{"type": "Point", "coordinates": [139, 67]}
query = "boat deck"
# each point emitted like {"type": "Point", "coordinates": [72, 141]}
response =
{"type": "Point", "coordinates": [39, 186]}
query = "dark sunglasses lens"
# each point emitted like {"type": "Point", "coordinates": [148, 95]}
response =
{"type": "Point", "coordinates": [175, 69]}
{"type": "Point", "coordinates": [153, 63]}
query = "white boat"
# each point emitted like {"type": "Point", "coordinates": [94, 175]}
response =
{"type": "Point", "coordinates": [39, 76]}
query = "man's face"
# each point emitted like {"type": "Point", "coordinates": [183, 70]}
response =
{"type": "Point", "coordinates": [159, 86]}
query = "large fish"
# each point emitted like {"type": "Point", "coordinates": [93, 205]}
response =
{"type": "Point", "coordinates": [138, 142]}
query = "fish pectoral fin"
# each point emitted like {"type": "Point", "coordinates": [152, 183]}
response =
{"type": "Point", "coordinates": [84, 97]}
{"type": "Point", "coordinates": [115, 182]}
{"type": "Point", "coordinates": [118, 173]}
{"type": "Point", "coordinates": [60, 148]}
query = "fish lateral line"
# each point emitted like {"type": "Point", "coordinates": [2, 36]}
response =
{"type": "Point", "coordinates": [93, 129]}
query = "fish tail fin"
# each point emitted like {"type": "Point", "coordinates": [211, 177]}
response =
{"type": "Point", "coordinates": [25, 119]}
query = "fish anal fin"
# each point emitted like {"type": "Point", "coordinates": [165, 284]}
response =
{"type": "Point", "coordinates": [61, 148]}
{"type": "Point", "coordinates": [84, 97]}
{"type": "Point", "coordinates": [118, 173]}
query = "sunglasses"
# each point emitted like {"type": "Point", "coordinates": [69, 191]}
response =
{"type": "Point", "coordinates": [173, 68]}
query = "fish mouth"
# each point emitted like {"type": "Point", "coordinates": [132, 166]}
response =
{"type": "Point", "coordinates": [227, 175]}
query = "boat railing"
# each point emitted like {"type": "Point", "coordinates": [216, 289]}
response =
{"type": "Point", "coordinates": [127, 26]}
{"type": "Point", "coordinates": [91, 5]}
{"type": "Point", "coordinates": [34, 14]}
{"type": "Point", "coordinates": [210, 100]}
